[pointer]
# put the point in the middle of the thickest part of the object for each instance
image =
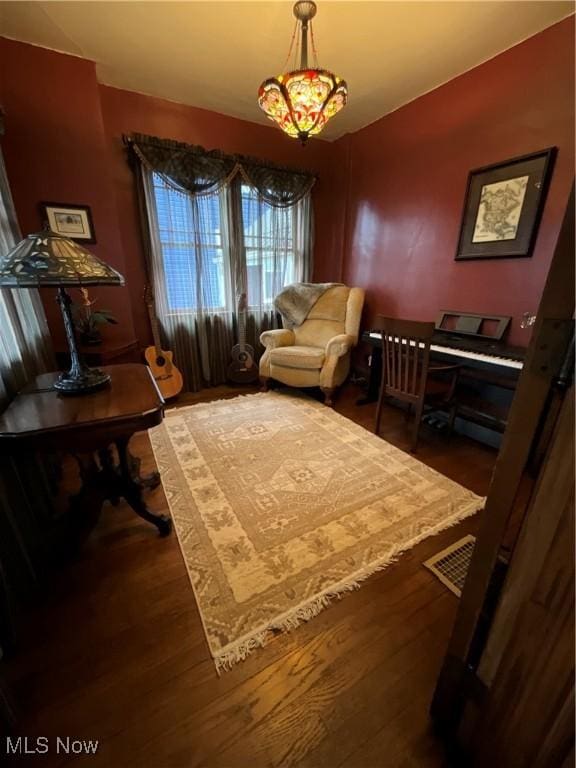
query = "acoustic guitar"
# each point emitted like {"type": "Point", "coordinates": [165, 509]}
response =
{"type": "Point", "coordinates": [160, 361]}
{"type": "Point", "coordinates": [242, 369]}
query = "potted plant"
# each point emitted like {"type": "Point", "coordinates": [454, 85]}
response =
{"type": "Point", "coordinates": [87, 321]}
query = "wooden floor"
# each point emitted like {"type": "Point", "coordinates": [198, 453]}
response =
{"type": "Point", "coordinates": [117, 651]}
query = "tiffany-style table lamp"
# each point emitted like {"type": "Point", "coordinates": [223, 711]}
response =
{"type": "Point", "coordinates": [48, 259]}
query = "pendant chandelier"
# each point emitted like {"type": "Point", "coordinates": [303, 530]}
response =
{"type": "Point", "coordinates": [302, 100]}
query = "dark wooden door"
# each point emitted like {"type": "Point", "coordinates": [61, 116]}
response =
{"type": "Point", "coordinates": [505, 693]}
{"type": "Point", "coordinates": [526, 715]}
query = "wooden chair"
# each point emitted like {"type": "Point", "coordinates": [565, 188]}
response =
{"type": "Point", "coordinates": [407, 374]}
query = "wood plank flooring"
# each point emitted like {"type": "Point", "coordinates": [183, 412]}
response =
{"type": "Point", "coordinates": [116, 651]}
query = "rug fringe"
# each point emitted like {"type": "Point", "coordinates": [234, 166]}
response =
{"type": "Point", "coordinates": [242, 648]}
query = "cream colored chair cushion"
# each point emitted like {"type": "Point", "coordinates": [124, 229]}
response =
{"type": "Point", "coordinates": [298, 357]}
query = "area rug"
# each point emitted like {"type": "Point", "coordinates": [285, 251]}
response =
{"type": "Point", "coordinates": [281, 504]}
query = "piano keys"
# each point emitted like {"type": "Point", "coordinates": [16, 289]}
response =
{"type": "Point", "coordinates": [489, 373]}
{"type": "Point", "coordinates": [492, 356]}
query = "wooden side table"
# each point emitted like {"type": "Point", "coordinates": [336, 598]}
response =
{"type": "Point", "coordinates": [89, 426]}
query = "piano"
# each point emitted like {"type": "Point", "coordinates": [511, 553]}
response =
{"type": "Point", "coordinates": [489, 373]}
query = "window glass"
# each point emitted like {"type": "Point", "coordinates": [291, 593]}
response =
{"type": "Point", "coordinates": [190, 236]}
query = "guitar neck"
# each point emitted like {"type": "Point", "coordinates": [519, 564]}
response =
{"type": "Point", "coordinates": [242, 328]}
{"type": "Point", "coordinates": [155, 327]}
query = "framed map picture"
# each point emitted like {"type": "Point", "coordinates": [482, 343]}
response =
{"type": "Point", "coordinates": [503, 207]}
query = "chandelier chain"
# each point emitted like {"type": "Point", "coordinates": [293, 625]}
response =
{"type": "Point", "coordinates": [291, 46]}
{"type": "Point", "coordinates": [314, 51]}
{"type": "Point", "coordinates": [296, 62]}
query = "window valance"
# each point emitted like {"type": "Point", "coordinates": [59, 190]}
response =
{"type": "Point", "coordinates": [197, 171]}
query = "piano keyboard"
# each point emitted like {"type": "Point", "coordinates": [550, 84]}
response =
{"type": "Point", "coordinates": [480, 357]}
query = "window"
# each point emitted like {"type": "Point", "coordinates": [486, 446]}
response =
{"type": "Point", "coordinates": [196, 257]}
{"type": "Point", "coordinates": [190, 235]}
{"type": "Point", "coordinates": [270, 247]}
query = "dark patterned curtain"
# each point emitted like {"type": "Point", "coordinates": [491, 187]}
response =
{"type": "Point", "coordinates": [197, 171]}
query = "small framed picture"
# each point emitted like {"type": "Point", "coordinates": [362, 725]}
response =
{"type": "Point", "coordinates": [503, 207]}
{"type": "Point", "coordinates": [73, 221]}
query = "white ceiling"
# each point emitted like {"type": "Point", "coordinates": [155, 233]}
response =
{"type": "Point", "coordinates": [215, 54]}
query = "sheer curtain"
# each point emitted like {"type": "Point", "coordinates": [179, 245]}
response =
{"type": "Point", "coordinates": [275, 250]}
{"type": "Point", "coordinates": [206, 248]}
{"type": "Point", "coordinates": [25, 347]}
{"type": "Point", "coordinates": [192, 280]}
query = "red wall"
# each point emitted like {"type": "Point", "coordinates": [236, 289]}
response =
{"type": "Point", "coordinates": [408, 174]}
{"type": "Point", "coordinates": [55, 151]}
{"type": "Point", "coordinates": [388, 199]}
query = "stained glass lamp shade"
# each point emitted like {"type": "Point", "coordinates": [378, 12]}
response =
{"type": "Point", "coordinates": [303, 100]}
{"type": "Point", "coordinates": [48, 259]}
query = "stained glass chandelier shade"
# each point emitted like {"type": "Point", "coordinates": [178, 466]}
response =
{"type": "Point", "coordinates": [303, 100]}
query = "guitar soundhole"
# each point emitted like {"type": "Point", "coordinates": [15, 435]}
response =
{"type": "Point", "coordinates": [160, 360]}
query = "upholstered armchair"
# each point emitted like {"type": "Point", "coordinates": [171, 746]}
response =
{"type": "Point", "coordinates": [317, 352]}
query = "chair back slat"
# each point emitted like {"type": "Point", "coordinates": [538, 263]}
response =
{"type": "Point", "coordinates": [399, 367]}
{"type": "Point", "coordinates": [407, 366]}
{"type": "Point", "coordinates": [405, 356]}
{"type": "Point", "coordinates": [412, 367]}
{"type": "Point", "coordinates": [390, 361]}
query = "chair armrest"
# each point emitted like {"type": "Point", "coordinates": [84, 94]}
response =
{"type": "Point", "coordinates": [339, 345]}
{"type": "Point", "coordinates": [282, 337]}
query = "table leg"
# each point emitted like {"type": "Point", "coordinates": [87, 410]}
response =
{"type": "Point", "coordinates": [149, 481]}
{"type": "Point", "coordinates": [131, 490]}
{"type": "Point", "coordinates": [85, 506]}
{"type": "Point", "coordinates": [108, 475]}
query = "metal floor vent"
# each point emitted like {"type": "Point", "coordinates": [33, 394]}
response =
{"type": "Point", "coordinates": [451, 565]}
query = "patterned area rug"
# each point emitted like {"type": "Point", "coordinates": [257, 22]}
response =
{"type": "Point", "coordinates": [281, 504]}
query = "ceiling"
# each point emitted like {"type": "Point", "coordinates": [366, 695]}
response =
{"type": "Point", "coordinates": [215, 54]}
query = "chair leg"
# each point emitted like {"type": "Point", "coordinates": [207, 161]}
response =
{"type": "Point", "coordinates": [328, 394]}
{"type": "Point", "coordinates": [379, 412]}
{"type": "Point", "coordinates": [408, 412]}
{"type": "Point", "coordinates": [264, 383]}
{"type": "Point", "coordinates": [416, 425]}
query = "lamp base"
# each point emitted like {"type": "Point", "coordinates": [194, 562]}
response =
{"type": "Point", "coordinates": [79, 380]}
{"type": "Point", "coordinates": [82, 383]}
